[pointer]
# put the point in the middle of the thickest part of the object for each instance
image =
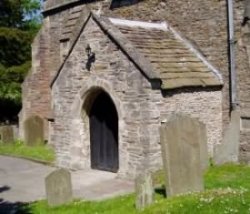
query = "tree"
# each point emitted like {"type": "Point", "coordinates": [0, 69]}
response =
{"type": "Point", "coordinates": [20, 14]}
{"type": "Point", "coordinates": [19, 22]}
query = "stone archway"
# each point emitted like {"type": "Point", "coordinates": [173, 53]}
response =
{"type": "Point", "coordinates": [103, 119]}
{"type": "Point", "coordinates": [101, 128]}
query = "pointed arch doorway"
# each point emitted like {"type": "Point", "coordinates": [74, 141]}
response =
{"type": "Point", "coordinates": [103, 120]}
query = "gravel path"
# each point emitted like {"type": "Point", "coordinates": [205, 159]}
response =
{"type": "Point", "coordinates": [23, 181]}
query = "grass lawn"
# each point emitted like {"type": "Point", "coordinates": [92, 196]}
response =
{"type": "Point", "coordinates": [227, 191]}
{"type": "Point", "coordinates": [19, 149]}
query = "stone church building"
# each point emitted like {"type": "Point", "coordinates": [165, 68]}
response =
{"type": "Point", "coordinates": [106, 74]}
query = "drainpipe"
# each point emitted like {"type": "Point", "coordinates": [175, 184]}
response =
{"type": "Point", "coordinates": [233, 86]}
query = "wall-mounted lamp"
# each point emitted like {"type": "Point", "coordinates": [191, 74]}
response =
{"type": "Point", "coordinates": [88, 50]}
{"type": "Point", "coordinates": [91, 57]}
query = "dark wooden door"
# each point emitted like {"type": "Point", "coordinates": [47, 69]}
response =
{"type": "Point", "coordinates": [104, 134]}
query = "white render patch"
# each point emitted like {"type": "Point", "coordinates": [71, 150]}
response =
{"type": "Point", "coordinates": [165, 27]}
{"type": "Point", "coordinates": [147, 25]}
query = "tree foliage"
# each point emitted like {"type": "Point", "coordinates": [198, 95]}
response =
{"type": "Point", "coordinates": [19, 13]}
{"type": "Point", "coordinates": [19, 22]}
{"type": "Point", "coordinates": [15, 46]}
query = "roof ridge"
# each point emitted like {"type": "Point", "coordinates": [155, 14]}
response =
{"type": "Point", "coordinates": [143, 24]}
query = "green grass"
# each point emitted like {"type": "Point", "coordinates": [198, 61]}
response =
{"type": "Point", "coordinates": [227, 191]}
{"type": "Point", "coordinates": [234, 176]}
{"type": "Point", "coordinates": [19, 149]}
{"type": "Point", "coordinates": [118, 205]}
{"type": "Point", "coordinates": [208, 202]}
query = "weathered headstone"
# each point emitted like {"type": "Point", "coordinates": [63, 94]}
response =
{"type": "Point", "coordinates": [144, 191]}
{"type": "Point", "coordinates": [184, 153]}
{"type": "Point", "coordinates": [58, 187]}
{"type": "Point", "coordinates": [6, 134]}
{"type": "Point", "coordinates": [34, 131]}
{"type": "Point", "coordinates": [228, 150]}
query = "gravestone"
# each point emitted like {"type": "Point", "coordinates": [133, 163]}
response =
{"type": "Point", "coordinates": [34, 131]}
{"type": "Point", "coordinates": [228, 150]}
{"type": "Point", "coordinates": [184, 153]}
{"type": "Point", "coordinates": [58, 187]}
{"type": "Point", "coordinates": [6, 134]}
{"type": "Point", "coordinates": [144, 191]}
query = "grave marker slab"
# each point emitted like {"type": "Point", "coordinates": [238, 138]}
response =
{"type": "Point", "coordinates": [58, 187]}
{"type": "Point", "coordinates": [144, 191]}
{"type": "Point", "coordinates": [6, 134]}
{"type": "Point", "coordinates": [184, 153]}
{"type": "Point", "coordinates": [34, 131]}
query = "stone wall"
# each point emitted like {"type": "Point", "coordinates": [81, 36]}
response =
{"type": "Point", "coordinates": [243, 67]}
{"type": "Point", "coordinates": [35, 88]}
{"type": "Point", "coordinates": [47, 57]}
{"type": "Point", "coordinates": [140, 109]}
{"type": "Point", "coordinates": [46, 60]}
{"type": "Point", "coordinates": [204, 23]}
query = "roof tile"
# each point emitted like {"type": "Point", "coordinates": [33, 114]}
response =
{"type": "Point", "coordinates": [176, 64]}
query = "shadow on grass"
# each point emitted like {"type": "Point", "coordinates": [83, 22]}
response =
{"type": "Point", "coordinates": [161, 190]}
{"type": "Point", "coordinates": [7, 207]}
{"type": "Point", "coordinates": [14, 208]}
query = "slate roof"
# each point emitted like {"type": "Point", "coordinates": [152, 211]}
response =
{"type": "Point", "coordinates": [176, 62]}
{"type": "Point", "coordinates": [159, 52]}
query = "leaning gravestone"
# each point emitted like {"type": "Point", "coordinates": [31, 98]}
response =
{"type": "Point", "coordinates": [58, 187]}
{"type": "Point", "coordinates": [6, 134]}
{"type": "Point", "coordinates": [33, 133]}
{"type": "Point", "coordinates": [184, 153]}
{"type": "Point", "coordinates": [144, 191]}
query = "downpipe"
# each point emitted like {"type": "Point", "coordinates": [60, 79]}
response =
{"type": "Point", "coordinates": [233, 85]}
